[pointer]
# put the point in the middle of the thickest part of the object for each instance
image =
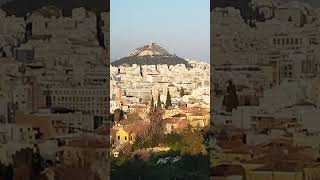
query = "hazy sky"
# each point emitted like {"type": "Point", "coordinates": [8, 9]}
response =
{"type": "Point", "coordinates": [180, 26]}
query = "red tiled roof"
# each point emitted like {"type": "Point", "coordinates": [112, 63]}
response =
{"type": "Point", "coordinates": [135, 128]}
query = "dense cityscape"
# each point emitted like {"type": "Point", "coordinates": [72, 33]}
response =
{"type": "Point", "coordinates": [67, 112]}
{"type": "Point", "coordinates": [54, 95]}
{"type": "Point", "coordinates": [266, 91]}
{"type": "Point", "coordinates": [160, 111]}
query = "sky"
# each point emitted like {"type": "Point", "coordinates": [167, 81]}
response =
{"type": "Point", "coordinates": [182, 27]}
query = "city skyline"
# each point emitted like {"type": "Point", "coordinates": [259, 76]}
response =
{"type": "Point", "coordinates": [165, 29]}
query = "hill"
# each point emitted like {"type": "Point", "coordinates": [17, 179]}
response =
{"type": "Point", "coordinates": [150, 54]}
{"type": "Point", "coordinates": [150, 60]}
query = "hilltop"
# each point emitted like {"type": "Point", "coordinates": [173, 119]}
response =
{"type": "Point", "coordinates": [150, 54]}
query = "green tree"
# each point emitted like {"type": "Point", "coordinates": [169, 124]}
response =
{"type": "Point", "coordinates": [192, 141]}
{"type": "Point", "coordinates": [152, 102]}
{"type": "Point", "coordinates": [173, 140]}
{"type": "Point", "coordinates": [168, 100]}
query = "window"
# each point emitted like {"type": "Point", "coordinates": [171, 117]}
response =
{"type": "Point", "coordinates": [118, 137]}
{"type": "Point", "coordinates": [125, 138]}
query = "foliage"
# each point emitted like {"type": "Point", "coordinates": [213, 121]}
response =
{"type": "Point", "coordinates": [168, 100]}
{"type": "Point", "coordinates": [117, 115]}
{"type": "Point", "coordinates": [152, 102]}
{"type": "Point", "coordinates": [156, 128]}
{"type": "Point", "coordinates": [154, 60]}
{"type": "Point", "coordinates": [154, 134]}
{"type": "Point", "coordinates": [121, 160]}
{"type": "Point", "coordinates": [192, 141]}
{"type": "Point", "coordinates": [140, 143]}
{"type": "Point", "coordinates": [173, 140]}
{"type": "Point", "coordinates": [126, 148]}
{"type": "Point", "coordinates": [188, 168]}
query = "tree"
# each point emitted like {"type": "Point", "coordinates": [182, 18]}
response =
{"type": "Point", "coordinates": [168, 100]}
{"type": "Point", "coordinates": [117, 115]}
{"type": "Point", "coordinates": [153, 134]}
{"type": "Point", "coordinates": [126, 148]}
{"type": "Point", "coordinates": [159, 101]}
{"type": "Point", "coordinates": [192, 141]}
{"type": "Point", "coordinates": [152, 102]}
{"type": "Point", "coordinates": [230, 100]}
{"type": "Point", "coordinates": [182, 93]}
{"type": "Point", "coordinates": [156, 127]}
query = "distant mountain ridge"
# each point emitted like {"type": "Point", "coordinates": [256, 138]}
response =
{"type": "Point", "coordinates": [150, 54]}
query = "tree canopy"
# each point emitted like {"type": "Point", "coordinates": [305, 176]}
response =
{"type": "Point", "coordinates": [168, 100]}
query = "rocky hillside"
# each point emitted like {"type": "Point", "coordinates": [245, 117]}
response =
{"type": "Point", "coordinates": [150, 54]}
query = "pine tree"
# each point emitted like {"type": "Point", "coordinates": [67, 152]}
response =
{"type": "Point", "coordinates": [152, 102]}
{"type": "Point", "coordinates": [168, 100]}
{"type": "Point", "coordinates": [159, 101]}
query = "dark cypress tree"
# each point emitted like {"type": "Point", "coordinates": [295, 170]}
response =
{"type": "Point", "coordinates": [168, 100]}
{"type": "Point", "coordinates": [152, 102]}
{"type": "Point", "coordinates": [159, 101]}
